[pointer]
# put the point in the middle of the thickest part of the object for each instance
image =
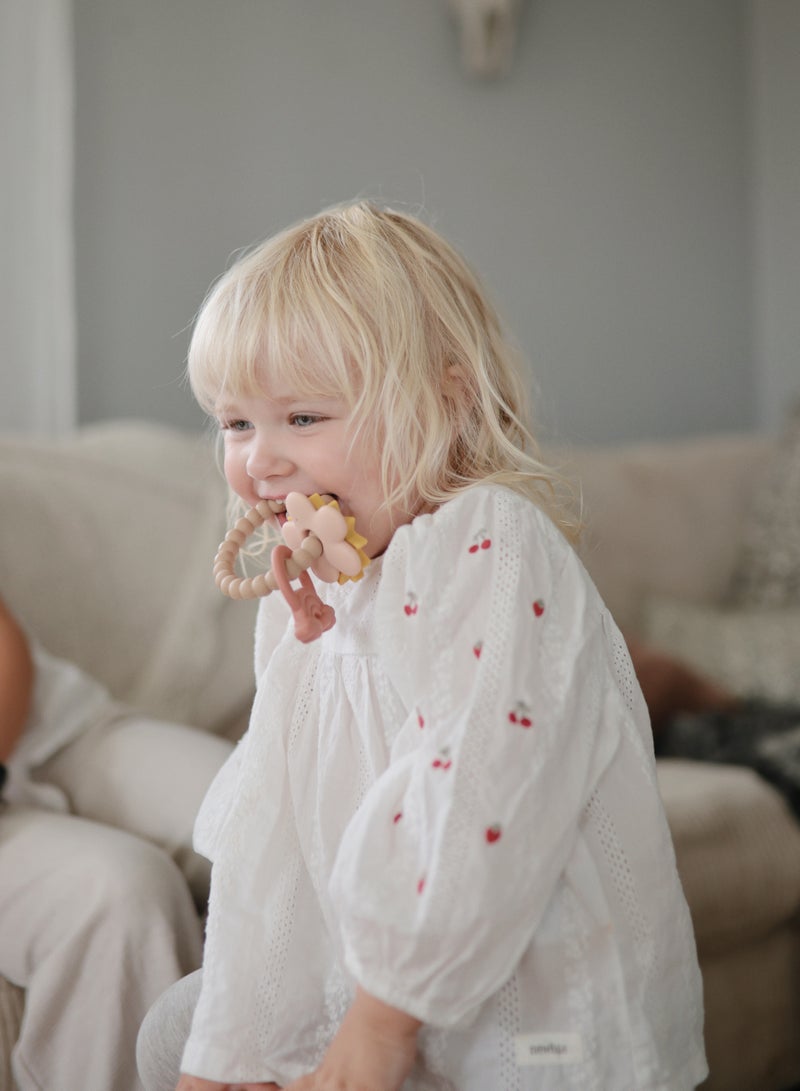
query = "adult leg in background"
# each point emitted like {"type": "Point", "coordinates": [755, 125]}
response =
{"type": "Point", "coordinates": [145, 776]}
{"type": "Point", "coordinates": [95, 924]}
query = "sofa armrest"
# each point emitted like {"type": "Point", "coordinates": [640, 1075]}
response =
{"type": "Point", "coordinates": [106, 547]}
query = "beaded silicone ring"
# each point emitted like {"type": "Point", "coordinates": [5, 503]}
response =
{"type": "Point", "coordinates": [318, 537]}
{"type": "Point", "coordinates": [252, 587]}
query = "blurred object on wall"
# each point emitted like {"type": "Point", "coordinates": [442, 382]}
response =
{"type": "Point", "coordinates": [488, 31]}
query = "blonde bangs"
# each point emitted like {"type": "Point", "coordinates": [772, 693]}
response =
{"type": "Point", "coordinates": [272, 320]}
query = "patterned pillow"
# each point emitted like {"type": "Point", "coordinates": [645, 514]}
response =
{"type": "Point", "coordinates": [767, 573]}
{"type": "Point", "coordinates": [752, 652]}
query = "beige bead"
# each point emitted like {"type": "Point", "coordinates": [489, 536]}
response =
{"type": "Point", "coordinates": [260, 588]}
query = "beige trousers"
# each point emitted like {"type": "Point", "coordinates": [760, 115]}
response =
{"type": "Point", "coordinates": [96, 913]}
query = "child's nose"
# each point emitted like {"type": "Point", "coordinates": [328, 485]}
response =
{"type": "Point", "coordinates": [266, 460]}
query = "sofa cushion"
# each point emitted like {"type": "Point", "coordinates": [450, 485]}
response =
{"type": "Point", "coordinates": [106, 546]}
{"type": "Point", "coordinates": [767, 572]}
{"type": "Point", "coordinates": [752, 652]}
{"type": "Point", "coordinates": [737, 846]}
{"type": "Point", "coordinates": [665, 517]}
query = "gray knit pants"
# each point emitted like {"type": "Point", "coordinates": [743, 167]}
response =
{"type": "Point", "coordinates": [164, 1032]}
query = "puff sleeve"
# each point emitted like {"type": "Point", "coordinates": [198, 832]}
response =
{"type": "Point", "coordinates": [491, 632]}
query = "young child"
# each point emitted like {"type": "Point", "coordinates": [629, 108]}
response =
{"type": "Point", "coordinates": [440, 857]}
{"type": "Point", "coordinates": [96, 920]}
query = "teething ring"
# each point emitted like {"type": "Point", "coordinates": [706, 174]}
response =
{"type": "Point", "coordinates": [253, 587]}
{"type": "Point", "coordinates": [319, 537]}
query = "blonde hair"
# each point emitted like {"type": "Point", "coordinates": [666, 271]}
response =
{"type": "Point", "coordinates": [373, 306]}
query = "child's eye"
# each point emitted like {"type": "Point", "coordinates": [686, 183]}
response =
{"type": "Point", "coordinates": [303, 420]}
{"type": "Point", "coordinates": [235, 425]}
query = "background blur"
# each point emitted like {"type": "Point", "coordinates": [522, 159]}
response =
{"type": "Point", "coordinates": [629, 191]}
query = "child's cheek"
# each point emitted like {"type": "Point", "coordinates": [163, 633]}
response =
{"type": "Point", "coordinates": [237, 477]}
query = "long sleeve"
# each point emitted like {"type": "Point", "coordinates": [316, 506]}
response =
{"type": "Point", "coordinates": [491, 635]}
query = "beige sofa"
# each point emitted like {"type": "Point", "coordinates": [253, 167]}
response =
{"type": "Point", "coordinates": [665, 523]}
{"type": "Point", "coordinates": [106, 541]}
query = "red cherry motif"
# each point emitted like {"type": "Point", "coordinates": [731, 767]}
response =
{"type": "Point", "coordinates": [397, 817]}
{"type": "Point", "coordinates": [477, 649]}
{"type": "Point", "coordinates": [420, 885]}
{"type": "Point", "coordinates": [411, 606]}
{"type": "Point", "coordinates": [480, 541]}
{"type": "Point", "coordinates": [520, 715]}
{"type": "Point", "coordinates": [493, 833]}
{"type": "Point", "coordinates": [538, 607]}
{"type": "Point", "coordinates": [443, 761]}
{"type": "Point", "coordinates": [420, 719]}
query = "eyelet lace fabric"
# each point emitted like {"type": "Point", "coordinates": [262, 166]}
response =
{"type": "Point", "coordinates": [450, 799]}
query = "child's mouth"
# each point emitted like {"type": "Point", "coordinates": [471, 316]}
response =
{"type": "Point", "coordinates": [278, 507]}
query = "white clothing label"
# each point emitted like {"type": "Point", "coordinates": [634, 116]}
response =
{"type": "Point", "coordinates": [532, 1049]}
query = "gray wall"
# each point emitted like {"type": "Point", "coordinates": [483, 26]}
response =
{"type": "Point", "coordinates": [602, 189]}
{"type": "Point", "coordinates": [775, 99]}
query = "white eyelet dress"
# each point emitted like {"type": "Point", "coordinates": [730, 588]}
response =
{"type": "Point", "coordinates": [450, 799]}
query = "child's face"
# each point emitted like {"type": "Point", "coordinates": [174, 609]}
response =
{"type": "Point", "coordinates": [281, 442]}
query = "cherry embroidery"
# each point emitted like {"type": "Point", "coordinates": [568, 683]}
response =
{"type": "Point", "coordinates": [420, 885]}
{"type": "Point", "coordinates": [520, 714]}
{"type": "Point", "coordinates": [411, 605]}
{"type": "Point", "coordinates": [477, 649]}
{"type": "Point", "coordinates": [397, 817]}
{"type": "Point", "coordinates": [420, 719]}
{"type": "Point", "coordinates": [494, 833]}
{"type": "Point", "coordinates": [480, 541]}
{"type": "Point", "coordinates": [538, 607]}
{"type": "Point", "coordinates": [444, 761]}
